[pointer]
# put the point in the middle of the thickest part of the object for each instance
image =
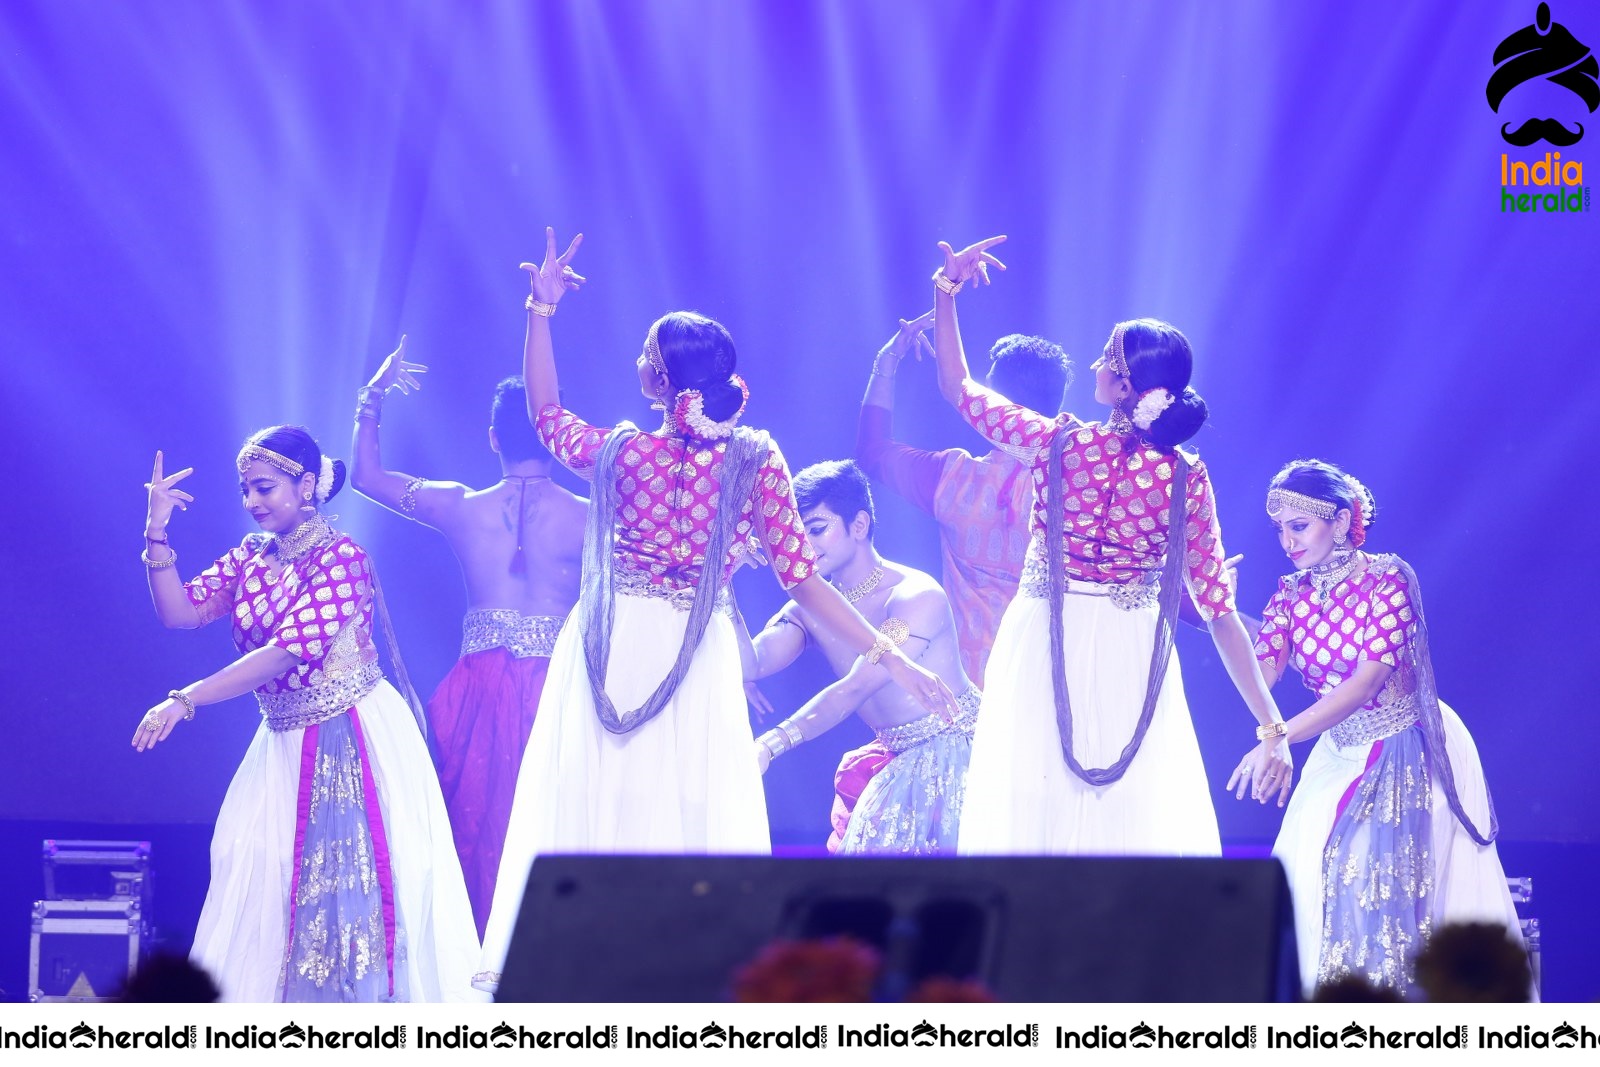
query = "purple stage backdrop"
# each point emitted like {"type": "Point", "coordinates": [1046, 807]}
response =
{"type": "Point", "coordinates": [219, 215]}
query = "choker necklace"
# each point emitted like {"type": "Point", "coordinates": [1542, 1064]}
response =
{"type": "Point", "coordinates": [1325, 576]}
{"type": "Point", "coordinates": [865, 586]}
{"type": "Point", "coordinates": [311, 534]}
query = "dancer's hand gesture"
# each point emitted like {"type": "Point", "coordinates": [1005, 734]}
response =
{"type": "Point", "coordinates": [398, 372]}
{"type": "Point", "coordinates": [1267, 771]}
{"type": "Point", "coordinates": [972, 261]}
{"type": "Point", "coordinates": [910, 338]}
{"type": "Point", "coordinates": [552, 278]}
{"type": "Point", "coordinates": [163, 498]}
{"type": "Point", "coordinates": [157, 724]}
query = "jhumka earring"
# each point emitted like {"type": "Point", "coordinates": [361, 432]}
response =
{"type": "Point", "coordinates": [308, 506]}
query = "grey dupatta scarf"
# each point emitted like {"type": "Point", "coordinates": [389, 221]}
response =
{"type": "Point", "coordinates": [1431, 719]}
{"type": "Point", "coordinates": [1161, 650]}
{"type": "Point", "coordinates": [747, 450]}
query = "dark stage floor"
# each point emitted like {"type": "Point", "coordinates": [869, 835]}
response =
{"type": "Point", "coordinates": [1564, 877]}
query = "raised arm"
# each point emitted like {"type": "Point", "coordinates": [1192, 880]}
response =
{"type": "Point", "coordinates": [415, 498]}
{"type": "Point", "coordinates": [972, 262]}
{"type": "Point", "coordinates": [911, 472]}
{"type": "Point", "coordinates": [548, 283]}
{"type": "Point", "coordinates": [166, 588]}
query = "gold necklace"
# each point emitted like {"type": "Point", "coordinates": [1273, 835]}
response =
{"type": "Point", "coordinates": [313, 533]}
{"type": "Point", "coordinates": [865, 586]}
{"type": "Point", "coordinates": [1326, 576]}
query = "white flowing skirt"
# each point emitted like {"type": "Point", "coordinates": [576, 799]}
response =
{"type": "Point", "coordinates": [1021, 797]}
{"type": "Point", "coordinates": [1469, 885]}
{"type": "Point", "coordinates": [684, 782]}
{"type": "Point", "coordinates": [241, 936]}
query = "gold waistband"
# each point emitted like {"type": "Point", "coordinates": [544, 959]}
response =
{"type": "Point", "coordinates": [898, 739]}
{"type": "Point", "coordinates": [521, 635]}
{"type": "Point", "coordinates": [333, 696]}
{"type": "Point", "coordinates": [1366, 725]}
{"type": "Point", "coordinates": [681, 597]}
{"type": "Point", "coordinates": [1128, 596]}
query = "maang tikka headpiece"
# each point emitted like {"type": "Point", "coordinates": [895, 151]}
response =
{"type": "Point", "coordinates": [1278, 499]}
{"type": "Point", "coordinates": [1117, 361]}
{"type": "Point", "coordinates": [252, 452]}
{"type": "Point", "coordinates": [652, 349]}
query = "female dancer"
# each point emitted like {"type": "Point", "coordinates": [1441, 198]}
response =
{"type": "Point", "coordinates": [1084, 743]}
{"type": "Point", "coordinates": [333, 873]}
{"type": "Point", "coordinates": [650, 751]}
{"type": "Point", "coordinates": [1391, 832]}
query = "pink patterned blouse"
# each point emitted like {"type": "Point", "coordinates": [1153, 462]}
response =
{"type": "Point", "coordinates": [318, 608]}
{"type": "Point", "coordinates": [983, 507]}
{"type": "Point", "coordinates": [1117, 495]}
{"type": "Point", "coordinates": [1366, 616]}
{"type": "Point", "coordinates": [668, 489]}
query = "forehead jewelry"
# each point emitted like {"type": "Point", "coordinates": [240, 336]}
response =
{"type": "Point", "coordinates": [250, 453]}
{"type": "Point", "coordinates": [1117, 361]}
{"type": "Point", "coordinates": [652, 350]}
{"type": "Point", "coordinates": [1278, 499]}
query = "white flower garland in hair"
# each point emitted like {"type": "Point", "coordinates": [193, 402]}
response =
{"type": "Point", "coordinates": [325, 481]}
{"type": "Point", "coordinates": [1151, 405]}
{"type": "Point", "coordinates": [690, 411]}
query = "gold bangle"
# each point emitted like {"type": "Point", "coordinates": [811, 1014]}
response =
{"type": "Point", "coordinates": [1270, 730]}
{"type": "Point", "coordinates": [157, 564]}
{"type": "Point", "coordinates": [944, 284]}
{"type": "Point", "coordinates": [540, 309]}
{"type": "Point", "coordinates": [186, 700]}
{"type": "Point", "coordinates": [777, 744]}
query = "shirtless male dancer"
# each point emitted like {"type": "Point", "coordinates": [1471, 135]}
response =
{"type": "Point", "coordinates": [519, 543]}
{"type": "Point", "coordinates": [912, 806]}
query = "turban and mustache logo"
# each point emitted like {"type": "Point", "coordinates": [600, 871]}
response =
{"type": "Point", "coordinates": [1544, 50]}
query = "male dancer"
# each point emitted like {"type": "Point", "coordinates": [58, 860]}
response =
{"type": "Point", "coordinates": [983, 503]}
{"type": "Point", "coordinates": [913, 803]}
{"type": "Point", "coordinates": [519, 543]}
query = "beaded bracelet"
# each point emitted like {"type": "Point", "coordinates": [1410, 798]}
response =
{"type": "Point", "coordinates": [186, 700]}
{"type": "Point", "coordinates": [157, 564]}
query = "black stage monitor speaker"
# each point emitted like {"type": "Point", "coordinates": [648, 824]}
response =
{"type": "Point", "coordinates": [1061, 929]}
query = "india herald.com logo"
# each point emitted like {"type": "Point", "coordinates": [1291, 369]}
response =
{"type": "Point", "coordinates": [1542, 68]}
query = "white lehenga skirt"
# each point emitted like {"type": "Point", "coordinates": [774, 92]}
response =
{"type": "Point", "coordinates": [241, 939]}
{"type": "Point", "coordinates": [684, 782]}
{"type": "Point", "coordinates": [1021, 797]}
{"type": "Point", "coordinates": [1469, 885]}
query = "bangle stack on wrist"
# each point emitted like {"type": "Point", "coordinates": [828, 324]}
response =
{"type": "Point", "coordinates": [782, 738]}
{"type": "Point", "coordinates": [541, 309]}
{"type": "Point", "coordinates": [944, 284]}
{"type": "Point", "coordinates": [369, 403]}
{"type": "Point", "coordinates": [1267, 731]}
{"type": "Point", "coordinates": [877, 367]}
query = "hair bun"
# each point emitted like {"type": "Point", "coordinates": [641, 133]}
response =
{"type": "Point", "coordinates": [338, 478]}
{"type": "Point", "coordinates": [1181, 421]}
